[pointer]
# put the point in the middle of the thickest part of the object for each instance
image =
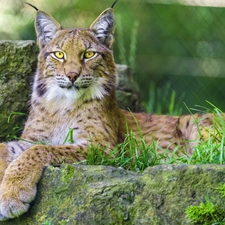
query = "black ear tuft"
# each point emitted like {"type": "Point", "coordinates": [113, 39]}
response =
{"type": "Point", "coordinates": [114, 3]}
{"type": "Point", "coordinates": [32, 6]}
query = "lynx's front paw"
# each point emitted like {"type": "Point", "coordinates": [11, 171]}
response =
{"type": "Point", "coordinates": [14, 200]}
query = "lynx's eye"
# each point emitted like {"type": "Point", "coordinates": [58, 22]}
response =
{"type": "Point", "coordinates": [88, 55]}
{"type": "Point", "coordinates": [59, 55]}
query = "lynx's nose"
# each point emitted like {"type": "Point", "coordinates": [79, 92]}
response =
{"type": "Point", "coordinates": [72, 76]}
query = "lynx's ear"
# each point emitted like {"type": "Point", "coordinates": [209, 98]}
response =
{"type": "Point", "coordinates": [45, 27]}
{"type": "Point", "coordinates": [104, 27]}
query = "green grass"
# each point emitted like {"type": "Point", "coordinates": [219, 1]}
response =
{"type": "Point", "coordinates": [16, 129]}
{"type": "Point", "coordinates": [137, 155]}
{"type": "Point", "coordinates": [164, 101]}
{"type": "Point", "coordinates": [69, 137]}
{"type": "Point", "coordinates": [130, 154]}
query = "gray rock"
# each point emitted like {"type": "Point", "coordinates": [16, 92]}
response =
{"type": "Point", "coordinates": [17, 65]}
{"type": "Point", "coordinates": [99, 195]}
{"type": "Point", "coordinates": [128, 92]}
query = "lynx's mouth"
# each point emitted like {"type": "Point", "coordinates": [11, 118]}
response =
{"type": "Point", "coordinates": [75, 86]}
{"type": "Point", "coordinates": [70, 87]}
{"type": "Point", "coordinates": [83, 84]}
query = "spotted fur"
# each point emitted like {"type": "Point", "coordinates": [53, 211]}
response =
{"type": "Point", "coordinates": [74, 88]}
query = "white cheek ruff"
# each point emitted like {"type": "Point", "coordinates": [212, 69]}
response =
{"type": "Point", "coordinates": [65, 97]}
{"type": "Point", "coordinates": [96, 90]}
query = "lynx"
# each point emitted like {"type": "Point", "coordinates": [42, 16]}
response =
{"type": "Point", "coordinates": [74, 88]}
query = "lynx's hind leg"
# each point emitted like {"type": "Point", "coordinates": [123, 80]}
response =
{"type": "Point", "coordinates": [205, 127]}
{"type": "Point", "coordinates": [193, 128]}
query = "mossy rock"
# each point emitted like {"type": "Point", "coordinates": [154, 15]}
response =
{"type": "Point", "coordinates": [17, 65]}
{"type": "Point", "coordinates": [99, 195]}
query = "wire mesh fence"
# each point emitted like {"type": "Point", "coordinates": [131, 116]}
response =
{"type": "Point", "coordinates": [180, 42]}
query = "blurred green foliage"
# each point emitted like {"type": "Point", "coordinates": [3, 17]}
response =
{"type": "Point", "coordinates": [164, 41]}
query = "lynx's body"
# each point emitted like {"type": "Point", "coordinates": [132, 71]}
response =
{"type": "Point", "coordinates": [74, 89]}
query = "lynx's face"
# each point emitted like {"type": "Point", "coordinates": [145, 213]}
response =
{"type": "Point", "coordinates": [75, 63]}
{"type": "Point", "coordinates": [76, 59]}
